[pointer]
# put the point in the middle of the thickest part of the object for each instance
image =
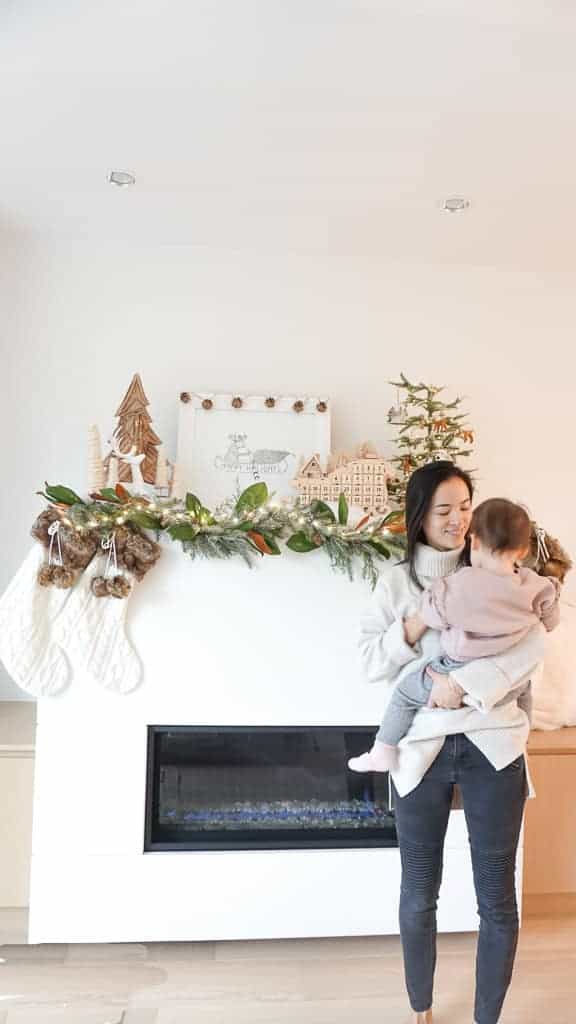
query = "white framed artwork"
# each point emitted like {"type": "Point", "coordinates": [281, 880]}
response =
{"type": "Point", "coordinates": [227, 442]}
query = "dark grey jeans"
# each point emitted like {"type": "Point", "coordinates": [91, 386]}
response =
{"type": "Point", "coordinates": [493, 805]}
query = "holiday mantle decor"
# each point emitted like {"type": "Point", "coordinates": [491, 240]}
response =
{"type": "Point", "coordinates": [51, 618]}
{"type": "Point", "coordinates": [254, 524]}
{"type": "Point", "coordinates": [429, 430]}
{"type": "Point", "coordinates": [67, 605]}
{"type": "Point", "coordinates": [361, 477]}
{"type": "Point", "coordinates": [135, 442]}
{"type": "Point", "coordinates": [229, 440]}
{"type": "Point", "coordinates": [96, 468]}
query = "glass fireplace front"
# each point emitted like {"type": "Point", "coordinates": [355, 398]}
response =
{"type": "Point", "coordinates": [267, 787]}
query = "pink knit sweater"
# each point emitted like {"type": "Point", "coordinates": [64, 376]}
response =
{"type": "Point", "coordinates": [482, 614]}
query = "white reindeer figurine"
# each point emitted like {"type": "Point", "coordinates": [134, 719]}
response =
{"type": "Point", "coordinates": [134, 461]}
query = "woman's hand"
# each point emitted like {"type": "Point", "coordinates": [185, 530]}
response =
{"type": "Point", "coordinates": [414, 628]}
{"type": "Point", "coordinates": [445, 692]}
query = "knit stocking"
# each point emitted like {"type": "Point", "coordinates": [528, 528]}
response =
{"type": "Point", "coordinates": [28, 612]}
{"type": "Point", "coordinates": [92, 632]}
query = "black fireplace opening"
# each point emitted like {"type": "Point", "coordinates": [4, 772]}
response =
{"type": "Point", "coordinates": [263, 787]}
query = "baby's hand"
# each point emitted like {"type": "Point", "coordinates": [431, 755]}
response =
{"type": "Point", "coordinates": [445, 692]}
{"type": "Point", "coordinates": [414, 628]}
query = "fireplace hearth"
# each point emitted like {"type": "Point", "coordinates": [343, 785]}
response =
{"type": "Point", "coordinates": [264, 787]}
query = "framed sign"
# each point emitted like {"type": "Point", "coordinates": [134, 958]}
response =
{"type": "Point", "coordinates": [227, 442]}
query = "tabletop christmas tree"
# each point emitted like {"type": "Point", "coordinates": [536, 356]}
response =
{"type": "Point", "coordinates": [429, 430]}
{"type": "Point", "coordinates": [134, 433]}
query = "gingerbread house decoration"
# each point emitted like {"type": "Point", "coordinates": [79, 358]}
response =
{"type": "Point", "coordinates": [361, 477]}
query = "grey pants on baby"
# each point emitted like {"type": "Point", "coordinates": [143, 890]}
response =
{"type": "Point", "coordinates": [411, 694]}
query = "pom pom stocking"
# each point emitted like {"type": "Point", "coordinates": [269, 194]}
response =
{"type": "Point", "coordinates": [28, 613]}
{"type": "Point", "coordinates": [92, 632]}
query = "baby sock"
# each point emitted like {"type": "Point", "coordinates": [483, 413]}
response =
{"type": "Point", "coordinates": [380, 758]}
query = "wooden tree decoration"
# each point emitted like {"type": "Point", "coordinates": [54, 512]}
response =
{"type": "Point", "coordinates": [429, 429]}
{"type": "Point", "coordinates": [134, 430]}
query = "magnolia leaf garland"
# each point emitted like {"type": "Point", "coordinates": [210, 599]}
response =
{"type": "Point", "coordinates": [257, 526]}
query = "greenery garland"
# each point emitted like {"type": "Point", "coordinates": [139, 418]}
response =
{"type": "Point", "coordinates": [254, 525]}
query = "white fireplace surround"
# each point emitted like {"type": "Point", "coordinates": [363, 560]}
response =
{"type": "Point", "coordinates": [221, 645]}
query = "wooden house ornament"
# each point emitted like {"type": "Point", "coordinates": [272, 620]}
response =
{"type": "Point", "coordinates": [361, 477]}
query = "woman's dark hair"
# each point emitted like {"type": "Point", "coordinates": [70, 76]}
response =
{"type": "Point", "coordinates": [422, 486]}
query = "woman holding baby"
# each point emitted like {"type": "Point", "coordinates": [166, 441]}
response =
{"type": "Point", "coordinates": [456, 630]}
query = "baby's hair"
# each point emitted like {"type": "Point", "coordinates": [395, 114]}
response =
{"type": "Point", "coordinates": [500, 525]}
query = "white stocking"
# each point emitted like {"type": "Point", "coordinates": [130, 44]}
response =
{"type": "Point", "coordinates": [28, 612]}
{"type": "Point", "coordinates": [92, 632]}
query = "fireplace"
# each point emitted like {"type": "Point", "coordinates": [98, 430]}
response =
{"type": "Point", "coordinates": [265, 787]}
{"type": "Point", "coordinates": [91, 880]}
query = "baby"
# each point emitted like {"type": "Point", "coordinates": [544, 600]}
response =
{"type": "Point", "coordinates": [482, 610]}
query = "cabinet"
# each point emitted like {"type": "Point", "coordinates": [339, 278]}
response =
{"type": "Point", "coordinates": [550, 829]}
{"type": "Point", "coordinates": [16, 786]}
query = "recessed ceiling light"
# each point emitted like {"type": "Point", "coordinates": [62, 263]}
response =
{"type": "Point", "coordinates": [455, 204]}
{"type": "Point", "coordinates": [121, 178]}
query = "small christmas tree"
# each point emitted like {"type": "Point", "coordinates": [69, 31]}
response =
{"type": "Point", "coordinates": [429, 430]}
{"type": "Point", "coordinates": [134, 429]}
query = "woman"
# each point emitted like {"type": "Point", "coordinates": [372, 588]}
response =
{"type": "Point", "coordinates": [479, 746]}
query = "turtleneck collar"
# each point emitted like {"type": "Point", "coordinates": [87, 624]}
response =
{"type": "Point", "coordinates": [432, 563]}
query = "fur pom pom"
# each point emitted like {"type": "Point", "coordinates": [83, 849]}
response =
{"type": "Point", "coordinates": [113, 586]}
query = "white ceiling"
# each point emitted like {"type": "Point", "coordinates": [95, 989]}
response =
{"type": "Point", "coordinates": [313, 124]}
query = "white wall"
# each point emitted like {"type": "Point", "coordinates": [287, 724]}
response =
{"type": "Point", "coordinates": [77, 321]}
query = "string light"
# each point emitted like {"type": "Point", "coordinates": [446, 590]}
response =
{"type": "Point", "coordinates": [281, 519]}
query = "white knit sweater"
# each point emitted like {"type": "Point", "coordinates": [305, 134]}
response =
{"type": "Point", "coordinates": [499, 732]}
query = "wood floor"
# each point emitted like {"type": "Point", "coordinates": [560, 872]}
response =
{"type": "Point", "coordinates": [311, 981]}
